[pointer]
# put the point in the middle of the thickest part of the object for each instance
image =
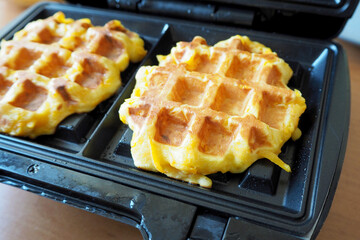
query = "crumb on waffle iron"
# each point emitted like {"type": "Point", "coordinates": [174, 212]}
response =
{"type": "Point", "coordinates": [58, 66]}
{"type": "Point", "coordinates": [208, 109]}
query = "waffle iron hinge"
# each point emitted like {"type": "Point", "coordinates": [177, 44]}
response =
{"type": "Point", "coordinates": [192, 10]}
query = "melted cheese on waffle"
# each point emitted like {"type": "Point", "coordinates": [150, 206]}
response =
{"type": "Point", "coordinates": [57, 66]}
{"type": "Point", "coordinates": [208, 109]}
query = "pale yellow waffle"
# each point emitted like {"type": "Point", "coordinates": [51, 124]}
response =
{"type": "Point", "coordinates": [212, 109]}
{"type": "Point", "coordinates": [56, 67]}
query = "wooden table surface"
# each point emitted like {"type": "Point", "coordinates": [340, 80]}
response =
{"type": "Point", "coordinates": [24, 215]}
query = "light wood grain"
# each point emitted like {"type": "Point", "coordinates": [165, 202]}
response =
{"type": "Point", "coordinates": [8, 11]}
{"type": "Point", "coordinates": [24, 215]}
{"type": "Point", "coordinates": [343, 221]}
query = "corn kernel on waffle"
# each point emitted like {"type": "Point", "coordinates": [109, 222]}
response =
{"type": "Point", "coordinates": [55, 67]}
{"type": "Point", "coordinates": [207, 109]}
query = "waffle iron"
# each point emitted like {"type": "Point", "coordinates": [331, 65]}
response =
{"type": "Point", "coordinates": [87, 162]}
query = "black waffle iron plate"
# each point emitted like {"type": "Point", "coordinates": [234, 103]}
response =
{"type": "Point", "coordinates": [87, 162]}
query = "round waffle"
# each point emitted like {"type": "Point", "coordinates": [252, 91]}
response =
{"type": "Point", "coordinates": [208, 109]}
{"type": "Point", "coordinates": [55, 67]}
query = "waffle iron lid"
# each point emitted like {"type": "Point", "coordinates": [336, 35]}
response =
{"type": "Point", "coordinates": [321, 19]}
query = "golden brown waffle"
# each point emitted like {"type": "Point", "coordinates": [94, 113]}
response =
{"type": "Point", "coordinates": [209, 109]}
{"type": "Point", "coordinates": [56, 67]}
